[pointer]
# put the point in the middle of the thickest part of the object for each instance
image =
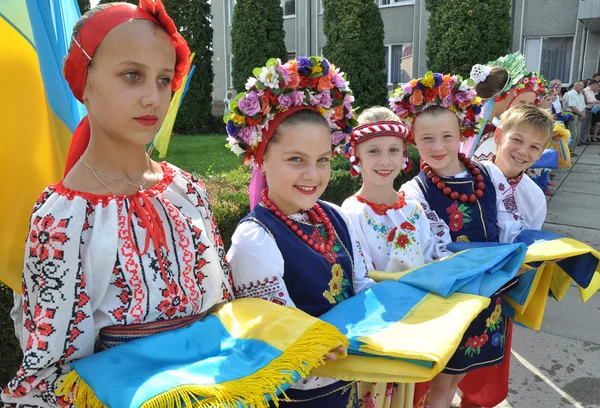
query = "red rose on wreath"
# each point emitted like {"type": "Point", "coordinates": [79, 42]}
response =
{"type": "Point", "coordinates": [456, 220]}
{"type": "Point", "coordinates": [407, 226]}
{"type": "Point", "coordinates": [392, 234]}
{"type": "Point", "coordinates": [402, 241]}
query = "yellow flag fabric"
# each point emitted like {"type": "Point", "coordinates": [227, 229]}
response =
{"type": "Point", "coordinates": [163, 137]}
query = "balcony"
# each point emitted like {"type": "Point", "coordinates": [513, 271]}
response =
{"type": "Point", "coordinates": [589, 14]}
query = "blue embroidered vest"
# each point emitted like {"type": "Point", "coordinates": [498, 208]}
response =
{"type": "Point", "coordinates": [473, 222]}
{"type": "Point", "coordinates": [314, 282]}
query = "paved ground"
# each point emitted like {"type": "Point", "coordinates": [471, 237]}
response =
{"type": "Point", "coordinates": [559, 366]}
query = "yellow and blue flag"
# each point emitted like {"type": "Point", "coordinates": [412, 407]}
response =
{"type": "Point", "coordinates": [38, 115]}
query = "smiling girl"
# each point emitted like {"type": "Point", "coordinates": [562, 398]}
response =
{"type": "Point", "coordinates": [474, 200]}
{"type": "Point", "coordinates": [123, 247]}
{"type": "Point", "coordinates": [293, 249]}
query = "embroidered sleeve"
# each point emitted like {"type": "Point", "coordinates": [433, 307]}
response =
{"type": "Point", "coordinates": [57, 323]}
{"type": "Point", "coordinates": [257, 265]}
{"type": "Point", "coordinates": [438, 228]}
{"type": "Point", "coordinates": [435, 236]}
{"type": "Point", "coordinates": [509, 221]}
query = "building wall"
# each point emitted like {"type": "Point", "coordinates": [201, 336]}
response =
{"type": "Point", "coordinates": [409, 24]}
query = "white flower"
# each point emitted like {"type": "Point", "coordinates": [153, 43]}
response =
{"type": "Point", "coordinates": [269, 77]}
{"type": "Point", "coordinates": [464, 87]}
{"type": "Point", "coordinates": [236, 149]}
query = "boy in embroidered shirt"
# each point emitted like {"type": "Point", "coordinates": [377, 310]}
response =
{"type": "Point", "coordinates": [394, 231]}
{"type": "Point", "coordinates": [472, 199]}
{"type": "Point", "coordinates": [521, 139]}
{"type": "Point", "coordinates": [293, 249]}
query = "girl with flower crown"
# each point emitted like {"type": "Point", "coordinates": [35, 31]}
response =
{"type": "Point", "coordinates": [293, 249]}
{"type": "Point", "coordinates": [122, 241]}
{"type": "Point", "coordinates": [395, 233]}
{"type": "Point", "coordinates": [474, 200]}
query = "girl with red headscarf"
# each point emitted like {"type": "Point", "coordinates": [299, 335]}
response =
{"type": "Point", "coordinates": [122, 242]}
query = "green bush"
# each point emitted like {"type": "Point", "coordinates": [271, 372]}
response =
{"type": "Point", "coordinates": [461, 35]}
{"type": "Point", "coordinates": [256, 35]}
{"type": "Point", "coordinates": [355, 34]}
{"type": "Point", "coordinates": [10, 352]}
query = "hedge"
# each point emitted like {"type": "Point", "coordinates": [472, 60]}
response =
{"type": "Point", "coordinates": [229, 200]}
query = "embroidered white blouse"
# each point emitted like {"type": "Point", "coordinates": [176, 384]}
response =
{"type": "Point", "coordinates": [531, 202]}
{"type": "Point", "coordinates": [508, 220]}
{"type": "Point", "coordinates": [85, 269]}
{"type": "Point", "coordinates": [398, 237]}
{"type": "Point", "coordinates": [256, 259]}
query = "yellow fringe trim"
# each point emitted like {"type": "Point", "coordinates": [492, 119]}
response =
{"type": "Point", "coordinates": [251, 391]}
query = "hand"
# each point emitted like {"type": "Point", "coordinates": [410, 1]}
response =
{"type": "Point", "coordinates": [582, 114]}
{"type": "Point", "coordinates": [331, 355]}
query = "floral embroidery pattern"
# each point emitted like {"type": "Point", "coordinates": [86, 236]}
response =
{"type": "Point", "coordinates": [473, 344]}
{"type": "Point", "coordinates": [459, 214]}
{"type": "Point", "coordinates": [270, 289]}
{"type": "Point", "coordinates": [337, 286]}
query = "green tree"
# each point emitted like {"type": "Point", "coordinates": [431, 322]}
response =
{"type": "Point", "coordinates": [257, 35]}
{"type": "Point", "coordinates": [84, 5]}
{"type": "Point", "coordinates": [463, 33]}
{"type": "Point", "coordinates": [354, 31]}
{"type": "Point", "coordinates": [193, 18]}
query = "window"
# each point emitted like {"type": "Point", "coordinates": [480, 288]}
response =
{"type": "Point", "coordinates": [229, 6]}
{"type": "Point", "coordinates": [550, 56]}
{"type": "Point", "coordinates": [384, 3]}
{"type": "Point", "coordinates": [289, 8]}
{"type": "Point", "coordinates": [399, 63]}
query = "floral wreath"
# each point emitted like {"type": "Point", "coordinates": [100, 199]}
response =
{"type": "Point", "coordinates": [532, 82]}
{"type": "Point", "coordinates": [277, 90]}
{"type": "Point", "coordinates": [446, 91]}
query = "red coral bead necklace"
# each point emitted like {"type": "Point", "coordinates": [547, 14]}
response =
{"type": "Point", "coordinates": [448, 191]}
{"type": "Point", "coordinates": [322, 249]}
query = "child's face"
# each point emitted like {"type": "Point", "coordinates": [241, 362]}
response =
{"type": "Point", "coordinates": [518, 148]}
{"type": "Point", "coordinates": [525, 98]}
{"type": "Point", "coordinates": [128, 86]}
{"type": "Point", "coordinates": [381, 160]}
{"type": "Point", "coordinates": [438, 138]}
{"type": "Point", "coordinates": [297, 166]}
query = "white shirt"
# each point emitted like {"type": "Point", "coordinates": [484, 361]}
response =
{"type": "Point", "coordinates": [508, 220]}
{"type": "Point", "coordinates": [255, 259]}
{"type": "Point", "coordinates": [398, 237]}
{"type": "Point", "coordinates": [574, 98]}
{"type": "Point", "coordinates": [531, 203]}
{"type": "Point", "coordinates": [81, 274]}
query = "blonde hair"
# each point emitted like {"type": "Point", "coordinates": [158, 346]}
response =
{"type": "Point", "coordinates": [376, 114]}
{"type": "Point", "coordinates": [528, 115]}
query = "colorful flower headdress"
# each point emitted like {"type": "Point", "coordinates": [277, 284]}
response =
{"type": "Point", "coordinates": [532, 82]}
{"type": "Point", "coordinates": [446, 91]}
{"type": "Point", "coordinates": [277, 90]}
{"type": "Point", "coordinates": [371, 130]}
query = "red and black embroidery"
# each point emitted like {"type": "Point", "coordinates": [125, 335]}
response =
{"type": "Point", "coordinates": [269, 289]}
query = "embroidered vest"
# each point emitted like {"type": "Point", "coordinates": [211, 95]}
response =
{"type": "Point", "coordinates": [467, 222]}
{"type": "Point", "coordinates": [314, 282]}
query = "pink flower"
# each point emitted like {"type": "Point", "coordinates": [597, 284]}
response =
{"type": "Point", "coordinates": [338, 80]}
{"type": "Point", "coordinates": [337, 137]}
{"type": "Point", "coordinates": [285, 74]}
{"type": "Point", "coordinates": [321, 99]}
{"type": "Point", "coordinates": [245, 134]}
{"type": "Point", "coordinates": [298, 98]}
{"type": "Point", "coordinates": [250, 104]}
{"type": "Point", "coordinates": [250, 83]}
{"type": "Point", "coordinates": [286, 100]}
{"type": "Point", "coordinates": [447, 101]}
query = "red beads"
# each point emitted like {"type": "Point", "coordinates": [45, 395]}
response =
{"type": "Point", "coordinates": [475, 172]}
{"type": "Point", "coordinates": [301, 234]}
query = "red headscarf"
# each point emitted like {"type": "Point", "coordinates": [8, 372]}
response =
{"type": "Point", "coordinates": [89, 38]}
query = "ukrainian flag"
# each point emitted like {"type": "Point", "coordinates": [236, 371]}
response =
{"type": "Point", "coordinates": [554, 262]}
{"type": "Point", "coordinates": [38, 115]}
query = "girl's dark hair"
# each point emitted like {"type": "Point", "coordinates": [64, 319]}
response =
{"type": "Point", "coordinates": [302, 117]}
{"type": "Point", "coordinates": [493, 84]}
